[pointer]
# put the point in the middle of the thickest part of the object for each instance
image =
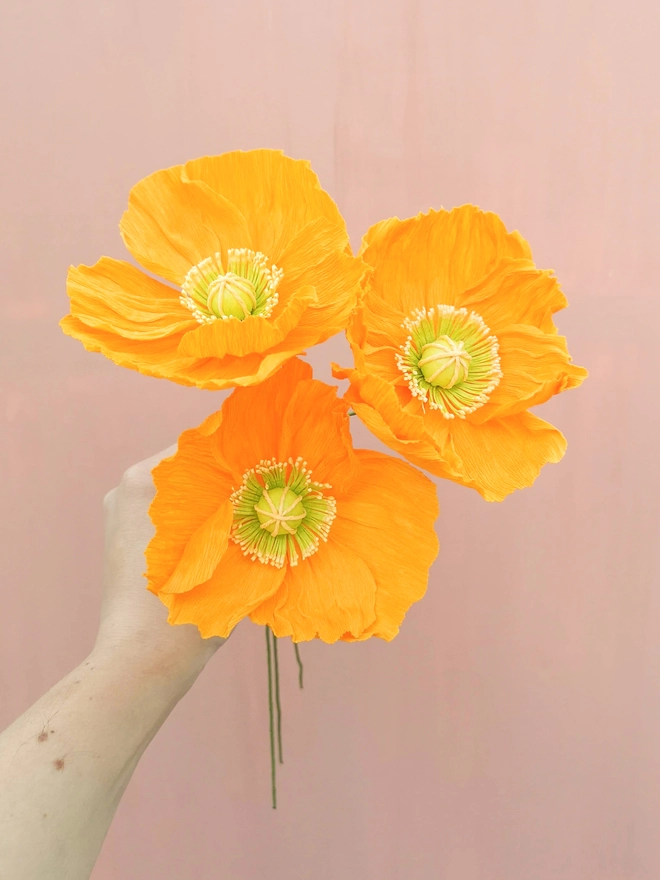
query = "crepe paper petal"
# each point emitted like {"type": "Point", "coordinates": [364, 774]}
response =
{"type": "Point", "coordinates": [277, 196]}
{"type": "Point", "coordinates": [516, 292]}
{"type": "Point", "coordinates": [535, 366]}
{"type": "Point", "coordinates": [202, 553]}
{"type": "Point", "coordinates": [258, 425]}
{"type": "Point", "coordinates": [389, 525]}
{"type": "Point", "coordinates": [118, 298]}
{"type": "Point", "coordinates": [172, 224]}
{"type": "Point", "coordinates": [235, 588]}
{"type": "Point", "coordinates": [189, 491]}
{"type": "Point", "coordinates": [332, 593]}
{"type": "Point", "coordinates": [315, 427]}
{"type": "Point", "coordinates": [436, 257]}
{"type": "Point", "coordinates": [504, 454]}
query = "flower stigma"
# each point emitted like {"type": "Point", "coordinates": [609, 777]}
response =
{"type": "Point", "coordinates": [450, 360]}
{"type": "Point", "coordinates": [444, 362]}
{"type": "Point", "coordinates": [280, 513]}
{"type": "Point", "coordinates": [247, 287]}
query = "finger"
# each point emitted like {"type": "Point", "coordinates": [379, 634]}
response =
{"type": "Point", "coordinates": [109, 500]}
{"type": "Point", "coordinates": [151, 462]}
{"type": "Point", "coordinates": [137, 481]}
{"type": "Point", "coordinates": [109, 506]}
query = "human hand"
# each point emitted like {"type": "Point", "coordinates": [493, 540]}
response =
{"type": "Point", "coordinates": [60, 784]}
{"type": "Point", "coordinates": [133, 620]}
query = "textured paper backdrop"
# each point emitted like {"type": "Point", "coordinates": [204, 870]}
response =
{"type": "Point", "coordinates": [511, 731]}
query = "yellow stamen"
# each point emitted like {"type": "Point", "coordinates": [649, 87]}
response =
{"type": "Point", "coordinates": [247, 287]}
{"type": "Point", "coordinates": [280, 514]}
{"type": "Point", "coordinates": [450, 360]}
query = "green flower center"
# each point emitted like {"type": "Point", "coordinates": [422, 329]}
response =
{"type": "Point", "coordinates": [450, 360]}
{"type": "Point", "coordinates": [247, 287]}
{"type": "Point", "coordinates": [280, 513]}
{"type": "Point", "coordinates": [444, 362]}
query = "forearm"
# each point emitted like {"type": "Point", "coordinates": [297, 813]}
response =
{"type": "Point", "coordinates": [63, 768]}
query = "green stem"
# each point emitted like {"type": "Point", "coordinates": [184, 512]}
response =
{"type": "Point", "coordinates": [300, 666]}
{"type": "Point", "coordinates": [273, 782]}
{"type": "Point", "coordinates": [277, 700]}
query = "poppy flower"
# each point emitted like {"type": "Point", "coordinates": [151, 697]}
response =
{"type": "Point", "coordinates": [256, 266]}
{"type": "Point", "coordinates": [453, 343]}
{"type": "Point", "coordinates": [266, 510]}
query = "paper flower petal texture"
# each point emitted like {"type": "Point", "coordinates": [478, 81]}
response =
{"type": "Point", "coordinates": [256, 265]}
{"type": "Point", "coordinates": [267, 511]}
{"type": "Point", "coordinates": [453, 342]}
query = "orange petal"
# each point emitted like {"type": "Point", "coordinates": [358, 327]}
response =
{"type": "Point", "coordinates": [203, 552]}
{"type": "Point", "coordinates": [236, 587]}
{"type": "Point", "coordinates": [536, 365]}
{"type": "Point", "coordinates": [495, 457]}
{"type": "Point", "coordinates": [172, 224]}
{"type": "Point", "coordinates": [388, 520]}
{"type": "Point", "coordinates": [210, 424]}
{"type": "Point", "coordinates": [158, 358]}
{"type": "Point", "coordinates": [382, 362]}
{"type": "Point", "coordinates": [216, 374]}
{"type": "Point", "coordinates": [161, 359]}
{"type": "Point", "coordinates": [377, 323]}
{"type": "Point", "coordinates": [504, 454]}
{"type": "Point", "coordinates": [315, 427]}
{"type": "Point", "coordinates": [252, 419]}
{"type": "Point", "coordinates": [336, 281]}
{"type": "Point", "coordinates": [254, 334]}
{"type": "Point", "coordinates": [314, 243]}
{"type": "Point", "coordinates": [377, 405]}
{"type": "Point", "coordinates": [118, 298]}
{"type": "Point", "coordinates": [326, 595]}
{"type": "Point", "coordinates": [278, 196]}
{"type": "Point", "coordinates": [433, 258]}
{"type": "Point", "coordinates": [191, 487]}
{"type": "Point", "coordinates": [516, 292]}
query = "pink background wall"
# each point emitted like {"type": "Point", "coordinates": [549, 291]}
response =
{"type": "Point", "coordinates": [512, 731]}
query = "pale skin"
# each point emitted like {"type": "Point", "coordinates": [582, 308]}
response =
{"type": "Point", "coordinates": [65, 763]}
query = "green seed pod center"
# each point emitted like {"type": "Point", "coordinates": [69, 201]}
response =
{"type": "Point", "coordinates": [444, 363]}
{"type": "Point", "coordinates": [280, 511]}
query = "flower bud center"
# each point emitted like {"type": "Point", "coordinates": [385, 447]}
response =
{"type": "Point", "coordinates": [230, 296]}
{"type": "Point", "coordinates": [444, 363]}
{"type": "Point", "coordinates": [280, 511]}
{"type": "Point", "coordinates": [246, 285]}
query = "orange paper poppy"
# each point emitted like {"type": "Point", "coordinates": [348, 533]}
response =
{"type": "Point", "coordinates": [453, 343]}
{"type": "Point", "coordinates": [266, 510]}
{"type": "Point", "coordinates": [258, 263]}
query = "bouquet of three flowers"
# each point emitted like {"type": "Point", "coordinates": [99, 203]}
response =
{"type": "Point", "coordinates": [266, 510]}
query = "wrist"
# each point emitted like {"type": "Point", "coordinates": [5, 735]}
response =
{"type": "Point", "coordinates": [168, 666]}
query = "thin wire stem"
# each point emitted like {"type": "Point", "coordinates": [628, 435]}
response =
{"type": "Point", "coordinates": [273, 780]}
{"type": "Point", "coordinates": [277, 699]}
{"type": "Point", "coordinates": [300, 666]}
